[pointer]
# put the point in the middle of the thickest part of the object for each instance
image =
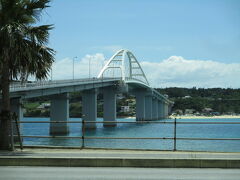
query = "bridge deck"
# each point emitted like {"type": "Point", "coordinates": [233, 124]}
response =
{"type": "Point", "coordinates": [45, 88]}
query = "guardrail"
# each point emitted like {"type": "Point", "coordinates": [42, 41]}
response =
{"type": "Point", "coordinates": [174, 137]}
{"type": "Point", "coordinates": [47, 84]}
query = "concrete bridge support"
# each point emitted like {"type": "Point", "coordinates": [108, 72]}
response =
{"type": "Point", "coordinates": [16, 107]}
{"type": "Point", "coordinates": [140, 106]}
{"type": "Point", "coordinates": [154, 109]}
{"type": "Point", "coordinates": [89, 108]}
{"type": "Point", "coordinates": [109, 106]}
{"type": "Point", "coordinates": [169, 109]}
{"type": "Point", "coordinates": [59, 111]}
{"type": "Point", "coordinates": [148, 107]}
{"type": "Point", "coordinates": [165, 110]}
{"type": "Point", "coordinates": [160, 112]}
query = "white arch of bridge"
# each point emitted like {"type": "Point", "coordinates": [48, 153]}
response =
{"type": "Point", "coordinates": [124, 64]}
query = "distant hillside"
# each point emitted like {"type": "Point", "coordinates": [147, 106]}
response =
{"type": "Point", "coordinates": [224, 101]}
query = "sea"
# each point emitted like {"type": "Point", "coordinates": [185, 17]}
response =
{"type": "Point", "coordinates": [135, 129]}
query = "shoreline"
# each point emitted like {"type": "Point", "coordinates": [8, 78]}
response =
{"type": "Point", "coordinates": [206, 117]}
{"type": "Point", "coordinates": [194, 117]}
{"type": "Point", "coordinates": [170, 117]}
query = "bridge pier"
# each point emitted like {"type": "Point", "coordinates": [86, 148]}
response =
{"type": "Point", "coordinates": [154, 109]}
{"type": "Point", "coordinates": [89, 108]}
{"type": "Point", "coordinates": [160, 110]}
{"type": "Point", "coordinates": [109, 106]}
{"type": "Point", "coordinates": [165, 110]}
{"type": "Point", "coordinates": [169, 109]}
{"type": "Point", "coordinates": [148, 107]}
{"type": "Point", "coordinates": [59, 111]}
{"type": "Point", "coordinates": [140, 106]}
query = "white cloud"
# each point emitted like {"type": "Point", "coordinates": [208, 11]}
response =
{"type": "Point", "coordinates": [179, 72]}
{"type": "Point", "coordinates": [172, 72]}
{"type": "Point", "coordinates": [63, 69]}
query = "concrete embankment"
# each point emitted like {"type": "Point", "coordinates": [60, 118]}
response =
{"type": "Point", "coordinates": [118, 158]}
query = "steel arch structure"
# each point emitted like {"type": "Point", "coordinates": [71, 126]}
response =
{"type": "Point", "coordinates": [124, 65]}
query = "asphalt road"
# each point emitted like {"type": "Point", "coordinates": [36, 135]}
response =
{"type": "Point", "coordinates": [108, 173]}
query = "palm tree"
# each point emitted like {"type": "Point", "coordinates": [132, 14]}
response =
{"type": "Point", "coordinates": [23, 51]}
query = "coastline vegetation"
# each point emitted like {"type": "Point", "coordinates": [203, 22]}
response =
{"type": "Point", "coordinates": [219, 100]}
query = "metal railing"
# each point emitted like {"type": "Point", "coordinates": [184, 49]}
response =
{"type": "Point", "coordinates": [55, 83]}
{"type": "Point", "coordinates": [174, 137]}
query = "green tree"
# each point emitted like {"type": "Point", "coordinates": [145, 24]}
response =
{"type": "Point", "coordinates": [23, 51]}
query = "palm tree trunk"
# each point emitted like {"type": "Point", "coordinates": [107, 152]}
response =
{"type": "Point", "coordinates": [5, 125]}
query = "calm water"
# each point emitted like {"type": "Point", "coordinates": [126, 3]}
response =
{"type": "Point", "coordinates": [143, 130]}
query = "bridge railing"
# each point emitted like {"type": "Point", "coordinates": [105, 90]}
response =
{"type": "Point", "coordinates": [174, 136]}
{"type": "Point", "coordinates": [50, 83]}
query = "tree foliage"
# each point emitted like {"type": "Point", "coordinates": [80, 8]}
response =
{"type": "Point", "coordinates": [23, 51]}
{"type": "Point", "coordinates": [222, 100]}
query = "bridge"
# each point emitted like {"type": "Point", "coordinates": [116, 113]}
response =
{"type": "Point", "coordinates": [121, 74]}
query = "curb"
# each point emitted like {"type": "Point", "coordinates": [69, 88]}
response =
{"type": "Point", "coordinates": [120, 162]}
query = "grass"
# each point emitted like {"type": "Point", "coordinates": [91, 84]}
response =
{"type": "Point", "coordinates": [31, 105]}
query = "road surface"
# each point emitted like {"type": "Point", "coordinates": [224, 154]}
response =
{"type": "Point", "coordinates": [108, 173]}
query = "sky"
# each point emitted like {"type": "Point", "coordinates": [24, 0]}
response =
{"type": "Point", "coordinates": [187, 43]}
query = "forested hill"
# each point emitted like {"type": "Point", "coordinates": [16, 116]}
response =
{"type": "Point", "coordinates": [224, 101]}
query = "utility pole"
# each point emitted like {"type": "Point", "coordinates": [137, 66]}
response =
{"type": "Point", "coordinates": [89, 70]}
{"type": "Point", "coordinates": [73, 66]}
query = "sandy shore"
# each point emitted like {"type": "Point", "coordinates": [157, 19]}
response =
{"type": "Point", "coordinates": [194, 117]}
{"type": "Point", "coordinates": [205, 117]}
